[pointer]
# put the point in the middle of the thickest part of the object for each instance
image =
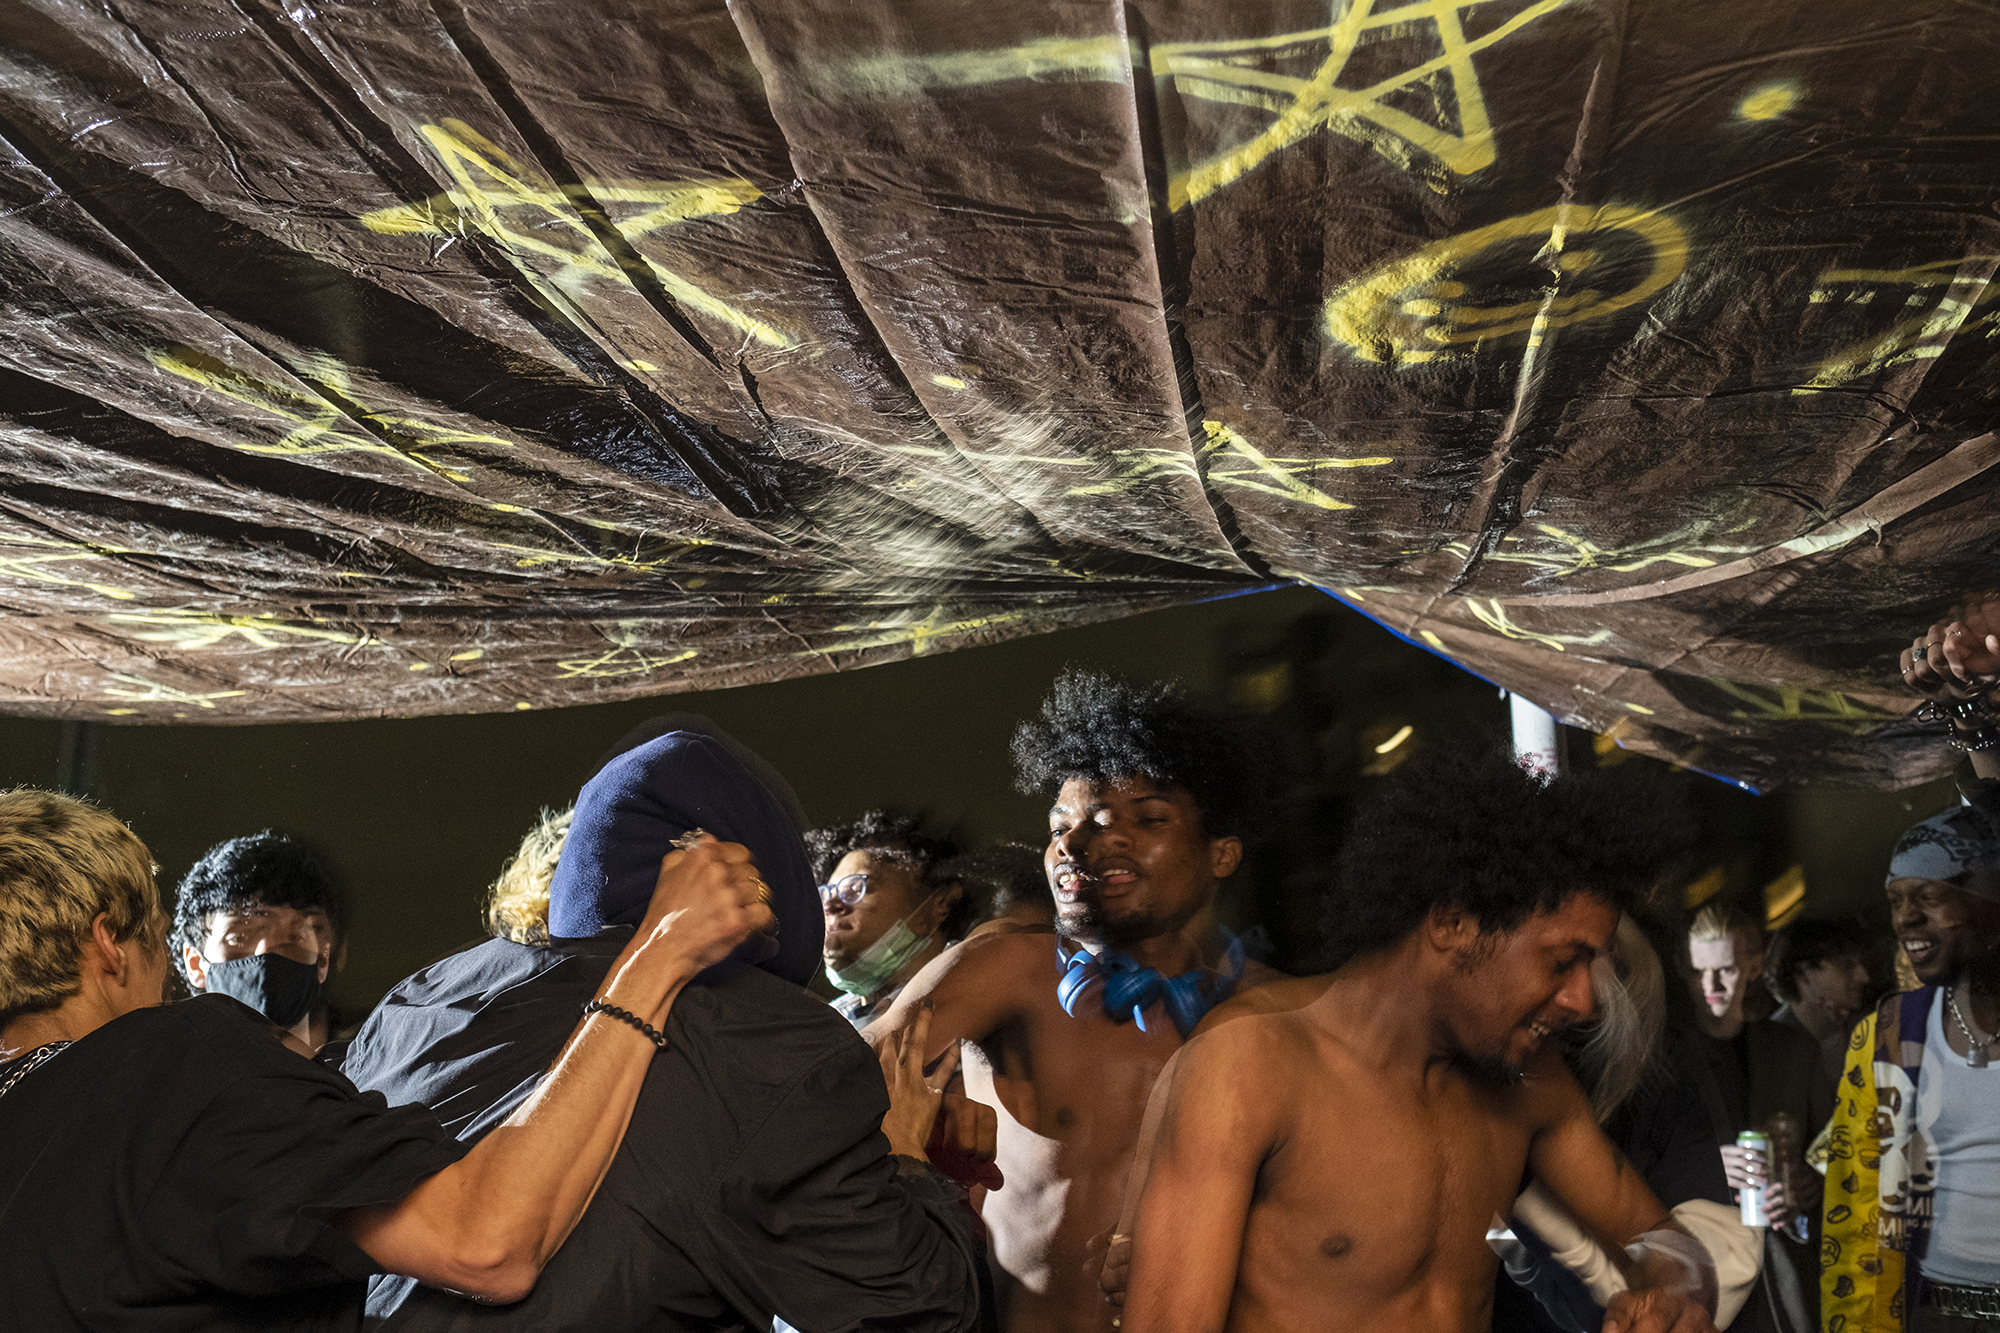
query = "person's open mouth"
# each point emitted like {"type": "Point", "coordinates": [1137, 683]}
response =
{"type": "Point", "coordinates": [1110, 880]}
{"type": "Point", "coordinates": [1919, 949]}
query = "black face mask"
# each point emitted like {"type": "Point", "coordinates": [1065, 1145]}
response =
{"type": "Point", "coordinates": [277, 987]}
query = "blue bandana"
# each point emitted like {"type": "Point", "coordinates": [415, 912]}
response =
{"type": "Point", "coordinates": [1959, 842]}
{"type": "Point", "coordinates": [1130, 989]}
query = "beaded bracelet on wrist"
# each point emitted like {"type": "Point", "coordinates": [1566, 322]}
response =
{"type": "Point", "coordinates": [1969, 724]}
{"type": "Point", "coordinates": [1973, 709]}
{"type": "Point", "coordinates": [1985, 738]}
{"type": "Point", "coordinates": [626, 1016]}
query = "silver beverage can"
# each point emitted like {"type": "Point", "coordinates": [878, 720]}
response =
{"type": "Point", "coordinates": [1752, 1200]}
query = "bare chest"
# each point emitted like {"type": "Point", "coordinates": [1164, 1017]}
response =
{"type": "Point", "coordinates": [1081, 1080]}
{"type": "Point", "coordinates": [1377, 1201]}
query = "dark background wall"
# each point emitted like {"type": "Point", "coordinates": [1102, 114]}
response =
{"type": "Point", "coordinates": [419, 814]}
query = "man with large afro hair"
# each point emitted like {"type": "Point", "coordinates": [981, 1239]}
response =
{"type": "Point", "coordinates": [1364, 1126]}
{"type": "Point", "coordinates": [1150, 795]}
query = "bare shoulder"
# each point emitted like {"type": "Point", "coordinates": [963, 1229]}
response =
{"type": "Point", "coordinates": [1013, 953]}
{"type": "Point", "coordinates": [977, 983]}
{"type": "Point", "coordinates": [1235, 1086]}
{"type": "Point", "coordinates": [996, 959]}
{"type": "Point", "coordinates": [1245, 1052]}
{"type": "Point", "coordinates": [1548, 1094]}
{"type": "Point", "coordinates": [1265, 990]}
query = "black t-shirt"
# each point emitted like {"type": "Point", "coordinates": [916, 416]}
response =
{"type": "Point", "coordinates": [753, 1181]}
{"type": "Point", "coordinates": [175, 1169]}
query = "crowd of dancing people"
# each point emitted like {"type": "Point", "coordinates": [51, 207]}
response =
{"type": "Point", "coordinates": [1538, 1089]}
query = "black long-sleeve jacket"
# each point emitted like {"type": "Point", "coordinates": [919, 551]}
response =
{"type": "Point", "coordinates": [754, 1180]}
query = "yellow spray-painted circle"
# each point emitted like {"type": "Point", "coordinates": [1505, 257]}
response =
{"type": "Point", "coordinates": [1410, 309]}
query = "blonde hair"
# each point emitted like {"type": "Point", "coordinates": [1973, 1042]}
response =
{"type": "Point", "coordinates": [1719, 922]}
{"type": "Point", "coordinates": [64, 863]}
{"type": "Point", "coordinates": [1630, 988]}
{"type": "Point", "coordinates": [517, 904]}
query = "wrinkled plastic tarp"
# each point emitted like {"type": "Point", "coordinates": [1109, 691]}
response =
{"type": "Point", "coordinates": [381, 358]}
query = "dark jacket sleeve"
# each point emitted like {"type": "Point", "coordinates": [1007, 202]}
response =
{"type": "Point", "coordinates": [815, 1222]}
{"type": "Point", "coordinates": [245, 1199]}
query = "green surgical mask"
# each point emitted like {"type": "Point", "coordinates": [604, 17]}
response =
{"type": "Point", "coordinates": [881, 961]}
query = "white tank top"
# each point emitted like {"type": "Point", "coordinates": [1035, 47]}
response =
{"type": "Point", "coordinates": [1958, 1109]}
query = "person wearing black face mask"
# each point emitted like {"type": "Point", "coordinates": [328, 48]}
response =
{"type": "Point", "coordinates": [258, 919]}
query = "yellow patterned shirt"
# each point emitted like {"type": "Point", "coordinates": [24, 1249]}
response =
{"type": "Point", "coordinates": [1879, 1172]}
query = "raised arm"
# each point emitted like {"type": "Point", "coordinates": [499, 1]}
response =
{"type": "Point", "coordinates": [1958, 660]}
{"type": "Point", "coordinates": [1213, 1134]}
{"type": "Point", "coordinates": [973, 988]}
{"type": "Point", "coordinates": [486, 1225]}
{"type": "Point", "coordinates": [1671, 1285]}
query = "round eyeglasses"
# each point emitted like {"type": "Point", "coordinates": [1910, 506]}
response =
{"type": "Point", "coordinates": [849, 889]}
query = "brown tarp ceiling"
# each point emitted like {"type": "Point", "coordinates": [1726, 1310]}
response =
{"type": "Point", "coordinates": [381, 358]}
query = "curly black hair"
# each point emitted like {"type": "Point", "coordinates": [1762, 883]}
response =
{"type": "Point", "coordinates": [1476, 832]}
{"type": "Point", "coordinates": [900, 838]}
{"type": "Point", "coordinates": [1805, 944]}
{"type": "Point", "coordinates": [1099, 727]}
{"type": "Point", "coordinates": [1004, 875]}
{"type": "Point", "coordinates": [265, 868]}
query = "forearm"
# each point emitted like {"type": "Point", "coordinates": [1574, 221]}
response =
{"type": "Point", "coordinates": [1668, 1258]}
{"type": "Point", "coordinates": [487, 1224]}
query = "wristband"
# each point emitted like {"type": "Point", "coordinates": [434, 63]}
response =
{"type": "Point", "coordinates": [1698, 1281]}
{"type": "Point", "coordinates": [1968, 723]}
{"type": "Point", "coordinates": [653, 1034]}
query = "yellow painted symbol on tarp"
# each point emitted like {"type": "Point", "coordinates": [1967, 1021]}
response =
{"type": "Point", "coordinates": [1493, 615]}
{"type": "Point", "coordinates": [541, 224]}
{"type": "Point", "coordinates": [1231, 461]}
{"type": "Point", "coordinates": [628, 655]}
{"type": "Point", "coordinates": [1253, 72]}
{"type": "Point", "coordinates": [321, 426]}
{"type": "Point", "coordinates": [1235, 462]}
{"type": "Point", "coordinates": [533, 556]}
{"type": "Point", "coordinates": [1692, 545]}
{"type": "Point", "coordinates": [1795, 703]}
{"type": "Point", "coordinates": [1295, 77]}
{"type": "Point", "coordinates": [195, 630]}
{"type": "Point", "coordinates": [1135, 467]}
{"type": "Point", "coordinates": [1769, 102]}
{"type": "Point", "coordinates": [922, 635]}
{"type": "Point", "coordinates": [621, 661]}
{"type": "Point", "coordinates": [151, 692]}
{"type": "Point", "coordinates": [1944, 295]}
{"type": "Point", "coordinates": [1496, 282]}
{"type": "Point", "coordinates": [36, 568]}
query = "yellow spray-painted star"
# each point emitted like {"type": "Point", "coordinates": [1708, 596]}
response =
{"type": "Point", "coordinates": [542, 223]}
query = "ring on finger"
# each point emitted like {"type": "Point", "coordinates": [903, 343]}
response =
{"type": "Point", "coordinates": [763, 892]}
{"type": "Point", "coordinates": [1918, 654]}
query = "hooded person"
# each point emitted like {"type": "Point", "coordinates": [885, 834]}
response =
{"type": "Point", "coordinates": [755, 1181]}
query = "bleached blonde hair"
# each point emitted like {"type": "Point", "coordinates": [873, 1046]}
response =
{"type": "Point", "coordinates": [1719, 922]}
{"type": "Point", "coordinates": [64, 863]}
{"type": "Point", "coordinates": [517, 903]}
{"type": "Point", "coordinates": [1630, 988]}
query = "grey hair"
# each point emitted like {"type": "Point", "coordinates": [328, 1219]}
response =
{"type": "Point", "coordinates": [1629, 986]}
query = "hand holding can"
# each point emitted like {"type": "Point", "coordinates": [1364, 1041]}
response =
{"type": "Point", "coordinates": [1755, 1147]}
